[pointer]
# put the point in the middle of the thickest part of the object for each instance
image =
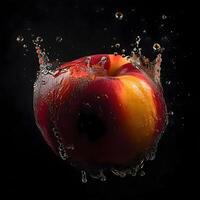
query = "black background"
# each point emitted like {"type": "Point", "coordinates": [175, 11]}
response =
{"type": "Point", "coordinates": [90, 27]}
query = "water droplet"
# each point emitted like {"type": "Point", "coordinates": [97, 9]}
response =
{"type": "Point", "coordinates": [152, 155]}
{"type": "Point", "coordinates": [84, 176]}
{"type": "Point", "coordinates": [123, 50]}
{"type": "Point", "coordinates": [171, 113]}
{"type": "Point", "coordinates": [119, 173]}
{"type": "Point", "coordinates": [156, 47]}
{"type": "Point", "coordinates": [162, 25]}
{"type": "Point", "coordinates": [117, 45]}
{"type": "Point", "coordinates": [135, 50]}
{"type": "Point", "coordinates": [43, 82]}
{"type": "Point", "coordinates": [25, 46]}
{"type": "Point", "coordinates": [103, 59]}
{"type": "Point", "coordinates": [173, 61]}
{"type": "Point", "coordinates": [98, 174]}
{"type": "Point", "coordinates": [142, 165]}
{"type": "Point", "coordinates": [137, 41]}
{"type": "Point", "coordinates": [144, 31]}
{"type": "Point", "coordinates": [133, 172]}
{"type": "Point", "coordinates": [168, 82]}
{"type": "Point", "coordinates": [38, 39]}
{"type": "Point", "coordinates": [165, 38]}
{"type": "Point", "coordinates": [142, 173]}
{"type": "Point", "coordinates": [70, 147]}
{"type": "Point", "coordinates": [59, 39]}
{"type": "Point", "coordinates": [123, 55]}
{"type": "Point", "coordinates": [62, 153]}
{"type": "Point", "coordinates": [119, 15]}
{"type": "Point", "coordinates": [164, 17]}
{"type": "Point", "coordinates": [105, 28]}
{"type": "Point", "coordinates": [49, 66]}
{"type": "Point", "coordinates": [20, 38]}
{"type": "Point", "coordinates": [88, 60]}
{"type": "Point", "coordinates": [115, 53]}
{"type": "Point", "coordinates": [106, 96]}
{"type": "Point", "coordinates": [102, 176]}
{"type": "Point", "coordinates": [138, 38]}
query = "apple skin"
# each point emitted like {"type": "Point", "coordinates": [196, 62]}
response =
{"type": "Point", "coordinates": [111, 111]}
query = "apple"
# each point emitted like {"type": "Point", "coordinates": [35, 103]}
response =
{"type": "Point", "coordinates": [99, 110]}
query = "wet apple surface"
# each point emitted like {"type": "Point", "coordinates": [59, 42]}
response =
{"type": "Point", "coordinates": [99, 110]}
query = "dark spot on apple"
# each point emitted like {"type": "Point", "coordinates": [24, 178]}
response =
{"type": "Point", "coordinates": [91, 126]}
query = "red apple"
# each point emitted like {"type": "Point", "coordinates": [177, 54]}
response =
{"type": "Point", "coordinates": [99, 110]}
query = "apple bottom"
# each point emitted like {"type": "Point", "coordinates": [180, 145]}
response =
{"type": "Point", "coordinates": [109, 121]}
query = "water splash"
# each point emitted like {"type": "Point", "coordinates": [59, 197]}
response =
{"type": "Point", "coordinates": [61, 147]}
{"type": "Point", "coordinates": [45, 66]}
{"type": "Point", "coordinates": [122, 172]}
{"type": "Point", "coordinates": [138, 60]}
{"type": "Point", "coordinates": [152, 68]}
